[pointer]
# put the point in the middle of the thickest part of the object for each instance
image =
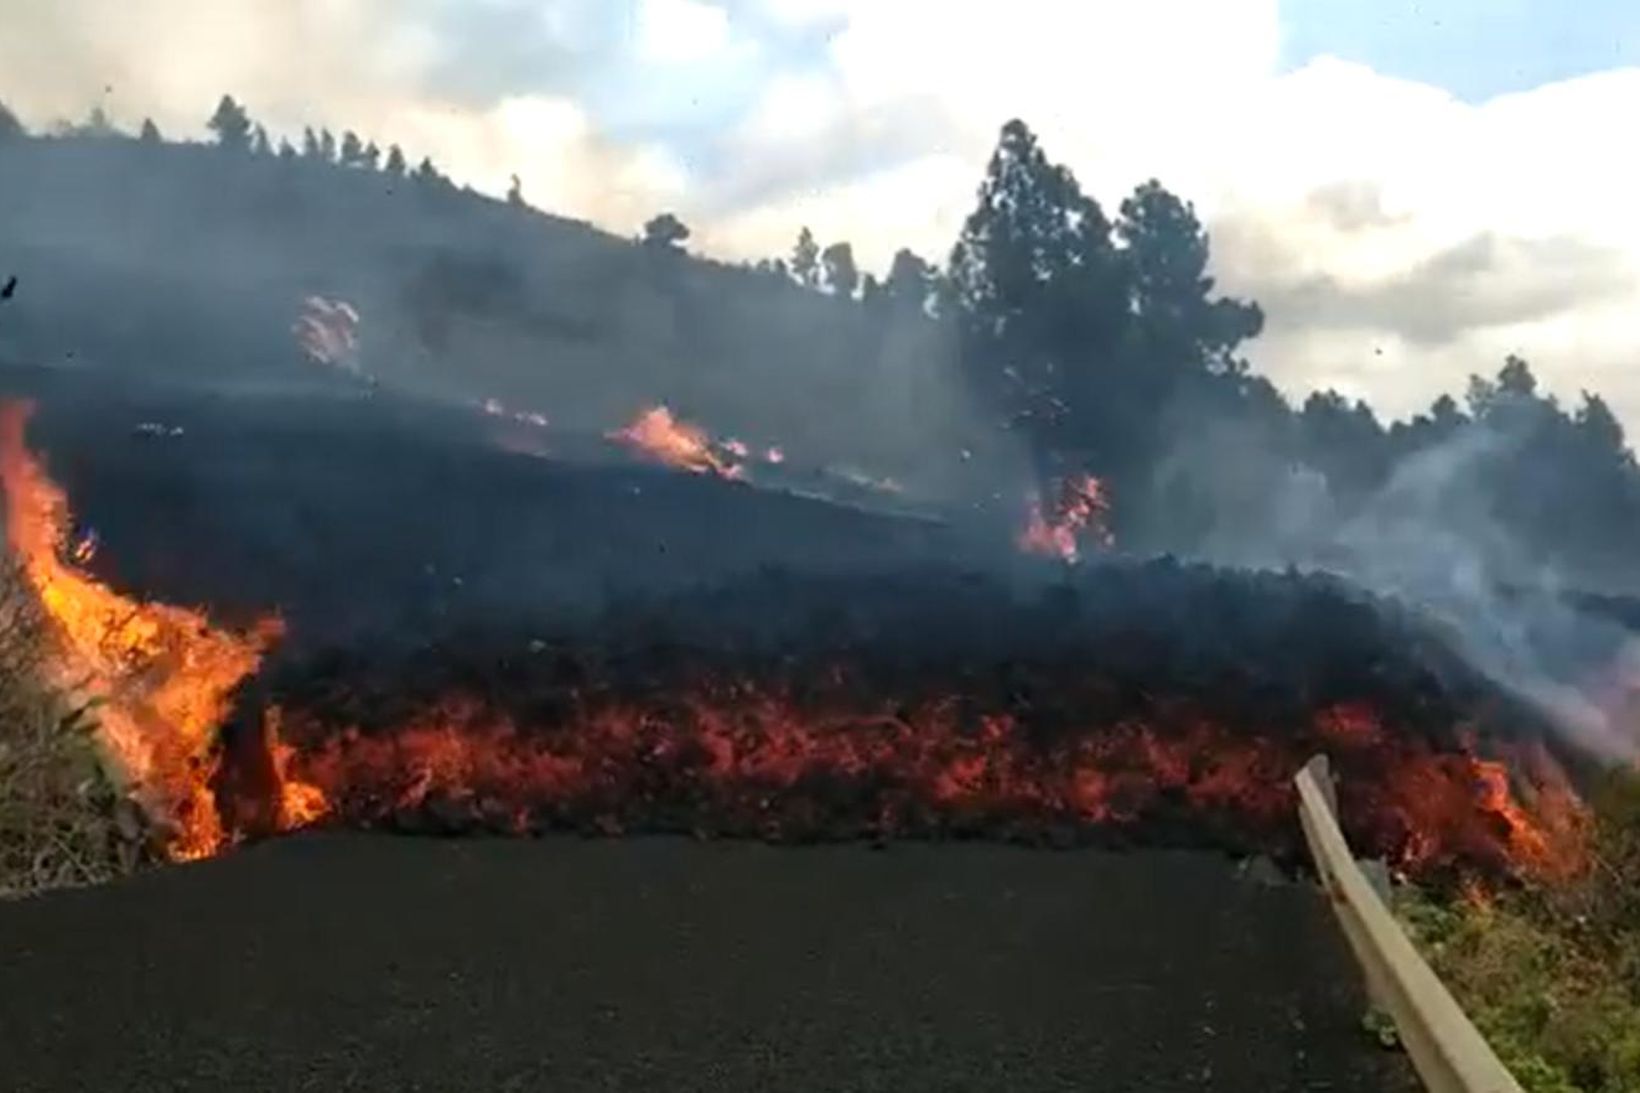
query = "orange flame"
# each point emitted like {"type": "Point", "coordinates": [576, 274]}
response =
{"type": "Point", "coordinates": [1078, 512]}
{"type": "Point", "coordinates": [298, 803]}
{"type": "Point", "coordinates": [660, 436]}
{"type": "Point", "coordinates": [161, 675]}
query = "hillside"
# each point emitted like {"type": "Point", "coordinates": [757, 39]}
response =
{"type": "Point", "coordinates": [186, 262]}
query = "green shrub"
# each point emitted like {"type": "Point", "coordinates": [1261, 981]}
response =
{"type": "Point", "coordinates": [1551, 973]}
{"type": "Point", "coordinates": [61, 823]}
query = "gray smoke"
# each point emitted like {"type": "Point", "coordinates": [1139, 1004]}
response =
{"type": "Point", "coordinates": [1427, 537]}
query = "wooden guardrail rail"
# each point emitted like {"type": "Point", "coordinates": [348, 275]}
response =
{"type": "Point", "coordinates": [1445, 1048]}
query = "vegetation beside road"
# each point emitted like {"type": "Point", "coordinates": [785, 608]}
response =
{"type": "Point", "coordinates": [1551, 973]}
{"type": "Point", "coordinates": [59, 815]}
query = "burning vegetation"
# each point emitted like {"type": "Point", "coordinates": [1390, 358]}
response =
{"type": "Point", "coordinates": [659, 436]}
{"type": "Point", "coordinates": [814, 707]}
{"type": "Point", "coordinates": [162, 677]}
{"type": "Point", "coordinates": [1074, 515]}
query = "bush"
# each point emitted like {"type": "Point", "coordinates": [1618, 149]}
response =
{"type": "Point", "coordinates": [61, 823]}
{"type": "Point", "coordinates": [1551, 974]}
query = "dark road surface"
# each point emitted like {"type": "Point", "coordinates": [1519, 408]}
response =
{"type": "Point", "coordinates": [374, 963]}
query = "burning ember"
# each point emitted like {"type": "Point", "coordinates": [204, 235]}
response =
{"type": "Point", "coordinates": [659, 436]}
{"type": "Point", "coordinates": [328, 332]}
{"type": "Point", "coordinates": [162, 675]}
{"type": "Point", "coordinates": [1077, 513]}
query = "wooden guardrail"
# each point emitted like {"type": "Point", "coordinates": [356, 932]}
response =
{"type": "Point", "coordinates": [1445, 1048]}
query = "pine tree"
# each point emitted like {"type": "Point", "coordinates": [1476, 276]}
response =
{"type": "Point", "coordinates": [260, 145]}
{"type": "Point", "coordinates": [910, 280]}
{"type": "Point", "coordinates": [1180, 325]}
{"type": "Point", "coordinates": [98, 124]}
{"type": "Point", "coordinates": [665, 232]}
{"type": "Point", "coordinates": [231, 124]}
{"type": "Point", "coordinates": [395, 161]}
{"type": "Point", "coordinates": [10, 127]}
{"type": "Point", "coordinates": [426, 173]}
{"type": "Point", "coordinates": [806, 260]}
{"type": "Point", "coordinates": [310, 144]}
{"type": "Point", "coordinates": [842, 275]}
{"type": "Point", "coordinates": [150, 132]}
{"type": "Point", "coordinates": [1044, 313]}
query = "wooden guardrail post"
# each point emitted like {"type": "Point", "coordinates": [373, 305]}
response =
{"type": "Point", "coordinates": [1448, 1052]}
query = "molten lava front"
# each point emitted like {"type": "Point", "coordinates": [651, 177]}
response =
{"type": "Point", "coordinates": [1047, 741]}
{"type": "Point", "coordinates": [786, 761]}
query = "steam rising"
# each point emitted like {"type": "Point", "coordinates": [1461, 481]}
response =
{"type": "Point", "coordinates": [1427, 537]}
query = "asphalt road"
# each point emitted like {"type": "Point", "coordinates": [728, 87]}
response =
{"type": "Point", "coordinates": [373, 963]}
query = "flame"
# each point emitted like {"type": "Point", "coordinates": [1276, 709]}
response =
{"type": "Point", "coordinates": [162, 675]}
{"type": "Point", "coordinates": [660, 436]}
{"type": "Point", "coordinates": [1438, 806]}
{"type": "Point", "coordinates": [1078, 512]}
{"type": "Point", "coordinates": [298, 804]}
{"type": "Point", "coordinates": [328, 332]}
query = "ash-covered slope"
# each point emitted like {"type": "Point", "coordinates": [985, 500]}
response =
{"type": "Point", "coordinates": [363, 516]}
{"type": "Point", "coordinates": [179, 261]}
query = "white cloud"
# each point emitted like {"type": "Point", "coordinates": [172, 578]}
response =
{"type": "Point", "coordinates": [680, 31]}
{"type": "Point", "coordinates": [1400, 237]}
{"type": "Point", "coordinates": [1531, 186]}
{"type": "Point", "coordinates": [346, 64]}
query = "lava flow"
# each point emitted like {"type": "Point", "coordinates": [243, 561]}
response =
{"type": "Point", "coordinates": [1078, 511]}
{"type": "Point", "coordinates": [161, 676]}
{"type": "Point", "coordinates": [843, 741]}
{"type": "Point", "coordinates": [826, 757]}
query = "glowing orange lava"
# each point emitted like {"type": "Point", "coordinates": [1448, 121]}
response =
{"type": "Point", "coordinates": [1078, 512]}
{"type": "Point", "coordinates": [744, 759]}
{"type": "Point", "coordinates": [161, 676]}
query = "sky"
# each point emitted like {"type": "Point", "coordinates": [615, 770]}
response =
{"type": "Point", "coordinates": [1410, 190]}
